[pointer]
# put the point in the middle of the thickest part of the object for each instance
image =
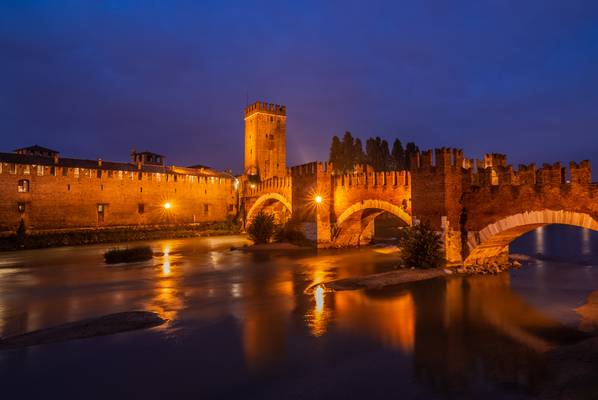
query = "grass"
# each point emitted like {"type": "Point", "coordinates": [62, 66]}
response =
{"type": "Point", "coordinates": [133, 254]}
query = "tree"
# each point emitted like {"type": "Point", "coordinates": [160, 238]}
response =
{"type": "Point", "coordinates": [378, 155]}
{"type": "Point", "coordinates": [348, 149]}
{"type": "Point", "coordinates": [410, 150]}
{"type": "Point", "coordinates": [421, 247]}
{"type": "Point", "coordinates": [398, 155]}
{"type": "Point", "coordinates": [336, 153]}
{"type": "Point", "coordinates": [358, 154]}
{"type": "Point", "coordinates": [262, 228]}
{"type": "Point", "coordinates": [386, 161]}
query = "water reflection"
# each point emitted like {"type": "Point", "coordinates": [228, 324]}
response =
{"type": "Point", "coordinates": [247, 317]}
{"type": "Point", "coordinates": [586, 245]}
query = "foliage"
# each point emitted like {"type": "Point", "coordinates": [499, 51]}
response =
{"type": "Point", "coordinates": [262, 228]}
{"type": "Point", "coordinates": [291, 232]}
{"type": "Point", "coordinates": [421, 247]}
{"type": "Point", "coordinates": [348, 152]}
{"type": "Point", "coordinates": [133, 254]}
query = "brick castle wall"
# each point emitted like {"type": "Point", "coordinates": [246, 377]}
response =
{"type": "Point", "coordinates": [69, 199]}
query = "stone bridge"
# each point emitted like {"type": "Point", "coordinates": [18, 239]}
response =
{"type": "Point", "coordinates": [478, 207]}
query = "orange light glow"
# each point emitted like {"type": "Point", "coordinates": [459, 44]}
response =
{"type": "Point", "coordinates": [167, 205]}
{"type": "Point", "coordinates": [318, 199]}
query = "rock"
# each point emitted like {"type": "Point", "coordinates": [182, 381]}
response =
{"type": "Point", "coordinates": [448, 271]}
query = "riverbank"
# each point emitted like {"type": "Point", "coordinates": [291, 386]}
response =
{"type": "Point", "coordinates": [101, 326]}
{"type": "Point", "coordinates": [84, 236]}
{"type": "Point", "coordinates": [378, 281]}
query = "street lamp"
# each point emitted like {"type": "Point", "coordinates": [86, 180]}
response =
{"type": "Point", "coordinates": [318, 199]}
{"type": "Point", "coordinates": [167, 205]}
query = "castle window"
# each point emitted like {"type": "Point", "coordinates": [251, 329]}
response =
{"type": "Point", "coordinates": [206, 209]}
{"type": "Point", "coordinates": [140, 175]}
{"type": "Point", "coordinates": [76, 172]}
{"type": "Point", "coordinates": [140, 208]}
{"type": "Point", "coordinates": [53, 171]}
{"type": "Point", "coordinates": [101, 212]}
{"type": "Point", "coordinates": [23, 186]}
{"type": "Point", "coordinates": [21, 207]}
{"type": "Point", "coordinates": [120, 175]}
{"type": "Point", "coordinates": [12, 169]}
{"type": "Point", "coordinates": [40, 170]}
{"type": "Point", "coordinates": [110, 174]}
{"type": "Point", "coordinates": [26, 170]}
{"type": "Point", "coordinates": [140, 190]}
{"type": "Point", "coordinates": [99, 173]}
{"type": "Point", "coordinates": [68, 187]}
{"type": "Point", "coordinates": [65, 171]}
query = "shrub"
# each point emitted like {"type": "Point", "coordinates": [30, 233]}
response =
{"type": "Point", "coordinates": [133, 254]}
{"type": "Point", "coordinates": [262, 228]}
{"type": "Point", "coordinates": [421, 247]}
{"type": "Point", "coordinates": [291, 232]}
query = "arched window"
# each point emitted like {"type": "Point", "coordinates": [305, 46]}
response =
{"type": "Point", "coordinates": [23, 186]}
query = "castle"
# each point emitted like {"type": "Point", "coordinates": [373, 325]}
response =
{"type": "Point", "coordinates": [478, 206]}
{"type": "Point", "coordinates": [49, 192]}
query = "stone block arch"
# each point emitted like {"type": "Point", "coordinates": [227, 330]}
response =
{"type": "Point", "coordinates": [493, 240]}
{"type": "Point", "coordinates": [353, 221]}
{"type": "Point", "coordinates": [265, 199]}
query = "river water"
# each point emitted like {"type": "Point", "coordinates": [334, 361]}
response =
{"type": "Point", "coordinates": [241, 326]}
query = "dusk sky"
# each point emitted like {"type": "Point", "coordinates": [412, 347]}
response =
{"type": "Point", "coordinates": [95, 78]}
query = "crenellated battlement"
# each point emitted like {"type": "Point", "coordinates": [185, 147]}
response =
{"type": "Point", "coordinates": [264, 107]}
{"type": "Point", "coordinates": [549, 175]}
{"type": "Point", "coordinates": [270, 185]}
{"type": "Point", "coordinates": [440, 158]}
{"type": "Point", "coordinates": [373, 179]}
{"type": "Point", "coordinates": [311, 169]}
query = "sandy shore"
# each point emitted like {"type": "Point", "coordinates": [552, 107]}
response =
{"type": "Point", "coordinates": [101, 326]}
{"type": "Point", "coordinates": [377, 281]}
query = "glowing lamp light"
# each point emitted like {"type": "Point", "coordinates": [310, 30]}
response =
{"type": "Point", "coordinates": [318, 199]}
{"type": "Point", "coordinates": [167, 205]}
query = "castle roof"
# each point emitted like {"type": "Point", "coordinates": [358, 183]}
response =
{"type": "Point", "coordinates": [31, 159]}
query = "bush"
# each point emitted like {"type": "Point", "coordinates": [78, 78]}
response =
{"type": "Point", "coordinates": [421, 247]}
{"type": "Point", "coordinates": [262, 228]}
{"type": "Point", "coordinates": [133, 254]}
{"type": "Point", "coordinates": [291, 232]}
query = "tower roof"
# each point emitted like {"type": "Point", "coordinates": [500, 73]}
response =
{"type": "Point", "coordinates": [267, 108]}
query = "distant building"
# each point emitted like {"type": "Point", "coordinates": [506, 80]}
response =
{"type": "Point", "coordinates": [50, 192]}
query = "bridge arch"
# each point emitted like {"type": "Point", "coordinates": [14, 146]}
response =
{"type": "Point", "coordinates": [356, 219]}
{"type": "Point", "coordinates": [264, 200]}
{"type": "Point", "coordinates": [493, 240]}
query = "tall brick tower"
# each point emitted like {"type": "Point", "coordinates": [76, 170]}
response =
{"type": "Point", "coordinates": [265, 140]}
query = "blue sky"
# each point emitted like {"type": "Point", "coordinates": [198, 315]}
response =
{"type": "Point", "coordinates": [95, 78]}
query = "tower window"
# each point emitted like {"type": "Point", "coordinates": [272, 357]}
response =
{"type": "Point", "coordinates": [21, 207]}
{"type": "Point", "coordinates": [140, 208]}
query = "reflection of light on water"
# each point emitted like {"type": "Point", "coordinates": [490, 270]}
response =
{"type": "Point", "coordinates": [539, 232]}
{"type": "Point", "coordinates": [390, 320]}
{"type": "Point", "coordinates": [317, 319]}
{"type": "Point", "coordinates": [319, 296]}
{"type": "Point", "coordinates": [236, 290]}
{"type": "Point", "coordinates": [586, 247]}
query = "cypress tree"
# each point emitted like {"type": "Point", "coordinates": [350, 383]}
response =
{"type": "Point", "coordinates": [398, 155]}
{"type": "Point", "coordinates": [348, 149]}
{"type": "Point", "coordinates": [336, 153]}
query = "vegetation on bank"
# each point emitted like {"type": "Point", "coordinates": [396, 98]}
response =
{"type": "Point", "coordinates": [263, 229]}
{"type": "Point", "coordinates": [133, 254]}
{"type": "Point", "coordinates": [24, 239]}
{"type": "Point", "coordinates": [348, 152]}
{"type": "Point", "coordinates": [421, 247]}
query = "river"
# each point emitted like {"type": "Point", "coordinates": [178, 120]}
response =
{"type": "Point", "coordinates": [241, 326]}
